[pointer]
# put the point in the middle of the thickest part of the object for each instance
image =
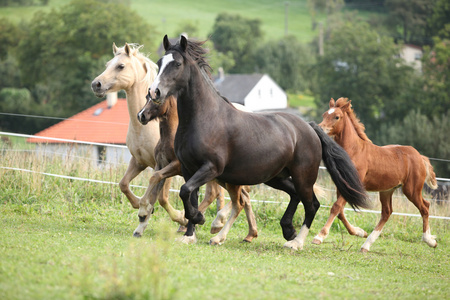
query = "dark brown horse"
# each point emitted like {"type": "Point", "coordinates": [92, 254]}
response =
{"type": "Point", "coordinates": [381, 169]}
{"type": "Point", "coordinates": [215, 140]}
{"type": "Point", "coordinates": [167, 165]}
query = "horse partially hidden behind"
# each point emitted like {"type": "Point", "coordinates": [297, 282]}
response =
{"type": "Point", "coordinates": [167, 165]}
{"type": "Point", "coordinates": [215, 140]}
{"type": "Point", "coordinates": [381, 169]}
{"type": "Point", "coordinates": [132, 71]}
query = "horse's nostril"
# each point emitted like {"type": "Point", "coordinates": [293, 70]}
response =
{"type": "Point", "coordinates": [158, 93]}
{"type": "Point", "coordinates": [99, 84]}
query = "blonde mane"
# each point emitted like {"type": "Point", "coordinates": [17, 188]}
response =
{"type": "Point", "coordinates": [152, 68]}
{"type": "Point", "coordinates": [359, 127]}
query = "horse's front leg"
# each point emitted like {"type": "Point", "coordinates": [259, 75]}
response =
{"type": "Point", "coordinates": [133, 170]}
{"type": "Point", "coordinates": [206, 173]}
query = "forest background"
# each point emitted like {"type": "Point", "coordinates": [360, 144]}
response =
{"type": "Point", "coordinates": [50, 50]}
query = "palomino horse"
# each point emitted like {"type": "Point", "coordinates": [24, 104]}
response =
{"type": "Point", "coordinates": [167, 165]}
{"type": "Point", "coordinates": [215, 140]}
{"type": "Point", "coordinates": [132, 71]}
{"type": "Point", "coordinates": [381, 169]}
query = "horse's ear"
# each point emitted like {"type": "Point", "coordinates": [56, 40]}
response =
{"type": "Point", "coordinates": [347, 105]}
{"type": "Point", "coordinates": [166, 43]}
{"type": "Point", "coordinates": [183, 42]}
{"type": "Point", "coordinates": [115, 49]}
{"type": "Point", "coordinates": [127, 49]}
{"type": "Point", "coordinates": [332, 103]}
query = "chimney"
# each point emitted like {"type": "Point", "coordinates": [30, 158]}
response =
{"type": "Point", "coordinates": [111, 99]}
{"type": "Point", "coordinates": [221, 74]}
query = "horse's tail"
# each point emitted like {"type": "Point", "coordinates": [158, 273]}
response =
{"type": "Point", "coordinates": [431, 176]}
{"type": "Point", "coordinates": [342, 170]}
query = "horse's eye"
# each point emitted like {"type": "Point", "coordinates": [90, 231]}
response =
{"type": "Point", "coordinates": [337, 117]}
{"type": "Point", "coordinates": [178, 64]}
{"type": "Point", "coordinates": [121, 66]}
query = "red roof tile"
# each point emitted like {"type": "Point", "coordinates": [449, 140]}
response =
{"type": "Point", "coordinates": [98, 124]}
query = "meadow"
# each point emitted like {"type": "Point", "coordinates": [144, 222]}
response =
{"type": "Point", "coordinates": [169, 16]}
{"type": "Point", "coordinates": [63, 238]}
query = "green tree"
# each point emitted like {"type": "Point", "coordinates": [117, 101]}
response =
{"type": "Point", "coordinates": [65, 48]}
{"type": "Point", "coordinates": [439, 21]}
{"type": "Point", "coordinates": [286, 61]}
{"type": "Point", "coordinates": [365, 67]}
{"type": "Point", "coordinates": [436, 75]}
{"type": "Point", "coordinates": [428, 135]}
{"type": "Point", "coordinates": [237, 37]}
{"type": "Point", "coordinates": [411, 17]}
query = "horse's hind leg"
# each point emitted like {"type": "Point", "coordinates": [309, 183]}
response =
{"type": "Point", "coordinates": [414, 194]}
{"type": "Point", "coordinates": [237, 205]}
{"type": "Point", "coordinates": [386, 211]}
{"type": "Point", "coordinates": [133, 170]}
{"type": "Point", "coordinates": [252, 229]}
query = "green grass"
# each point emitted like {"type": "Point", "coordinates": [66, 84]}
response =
{"type": "Point", "coordinates": [68, 239]}
{"type": "Point", "coordinates": [167, 16]}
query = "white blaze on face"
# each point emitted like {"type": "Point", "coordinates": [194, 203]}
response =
{"type": "Point", "coordinates": [165, 61]}
{"type": "Point", "coordinates": [331, 111]}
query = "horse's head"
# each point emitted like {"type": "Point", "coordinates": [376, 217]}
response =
{"type": "Point", "coordinates": [172, 72]}
{"type": "Point", "coordinates": [332, 122]}
{"type": "Point", "coordinates": [175, 67]}
{"type": "Point", "coordinates": [126, 68]}
{"type": "Point", "coordinates": [153, 110]}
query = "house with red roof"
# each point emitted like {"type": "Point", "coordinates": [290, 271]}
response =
{"type": "Point", "coordinates": [103, 127]}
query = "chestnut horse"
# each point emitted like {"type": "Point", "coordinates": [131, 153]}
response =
{"type": "Point", "coordinates": [214, 140]}
{"type": "Point", "coordinates": [381, 169]}
{"type": "Point", "coordinates": [132, 71]}
{"type": "Point", "coordinates": [167, 165]}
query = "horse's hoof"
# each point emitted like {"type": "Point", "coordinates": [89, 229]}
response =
{"type": "Point", "coordinates": [364, 250]}
{"type": "Point", "coordinates": [214, 242]}
{"type": "Point", "coordinates": [199, 219]}
{"type": "Point", "coordinates": [182, 229]}
{"type": "Point", "coordinates": [215, 230]}
{"type": "Point", "coordinates": [293, 245]}
{"type": "Point", "coordinates": [187, 239]}
{"type": "Point", "coordinates": [137, 234]}
{"type": "Point", "coordinates": [316, 241]}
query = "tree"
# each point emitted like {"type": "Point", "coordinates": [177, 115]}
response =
{"type": "Point", "coordinates": [363, 66]}
{"type": "Point", "coordinates": [65, 49]}
{"type": "Point", "coordinates": [411, 16]}
{"type": "Point", "coordinates": [237, 37]}
{"type": "Point", "coordinates": [439, 21]}
{"type": "Point", "coordinates": [286, 61]}
{"type": "Point", "coordinates": [436, 75]}
{"type": "Point", "coordinates": [428, 135]}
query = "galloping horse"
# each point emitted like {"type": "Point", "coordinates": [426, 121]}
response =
{"type": "Point", "coordinates": [215, 140]}
{"type": "Point", "coordinates": [132, 71]}
{"type": "Point", "coordinates": [167, 165]}
{"type": "Point", "coordinates": [382, 169]}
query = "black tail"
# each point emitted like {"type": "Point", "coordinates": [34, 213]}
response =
{"type": "Point", "coordinates": [342, 170]}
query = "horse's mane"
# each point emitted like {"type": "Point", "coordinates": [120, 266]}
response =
{"type": "Point", "coordinates": [152, 68]}
{"type": "Point", "coordinates": [197, 52]}
{"type": "Point", "coordinates": [359, 127]}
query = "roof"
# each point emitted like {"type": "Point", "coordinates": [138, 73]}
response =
{"type": "Point", "coordinates": [98, 124]}
{"type": "Point", "coordinates": [235, 87]}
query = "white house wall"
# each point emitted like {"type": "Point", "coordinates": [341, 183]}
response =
{"type": "Point", "coordinates": [89, 153]}
{"type": "Point", "coordinates": [266, 95]}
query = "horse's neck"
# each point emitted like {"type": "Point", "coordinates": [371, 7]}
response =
{"type": "Point", "coordinates": [169, 123]}
{"type": "Point", "coordinates": [348, 138]}
{"type": "Point", "coordinates": [136, 101]}
{"type": "Point", "coordinates": [197, 101]}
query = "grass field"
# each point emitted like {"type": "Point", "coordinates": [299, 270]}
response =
{"type": "Point", "coordinates": [67, 239]}
{"type": "Point", "coordinates": [168, 16]}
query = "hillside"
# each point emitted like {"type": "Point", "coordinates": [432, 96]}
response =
{"type": "Point", "coordinates": [169, 16]}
